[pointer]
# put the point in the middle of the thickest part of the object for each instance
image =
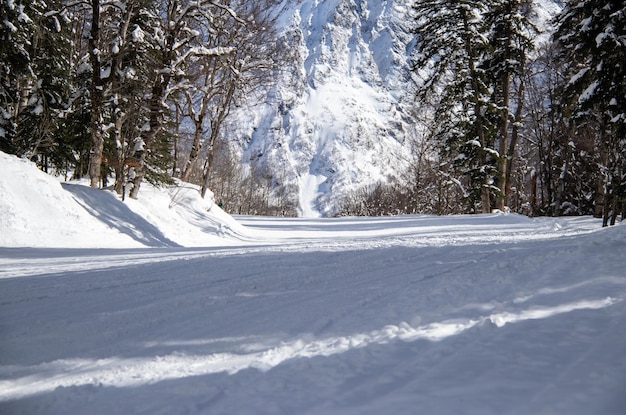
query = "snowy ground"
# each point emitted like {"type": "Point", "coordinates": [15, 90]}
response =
{"type": "Point", "coordinates": [484, 314]}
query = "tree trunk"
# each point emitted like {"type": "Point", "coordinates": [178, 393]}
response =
{"type": "Point", "coordinates": [607, 207]}
{"type": "Point", "coordinates": [118, 113]}
{"type": "Point", "coordinates": [208, 164]}
{"type": "Point", "coordinates": [533, 193]}
{"type": "Point", "coordinates": [148, 137]}
{"type": "Point", "coordinates": [120, 153]}
{"type": "Point", "coordinates": [514, 136]}
{"type": "Point", "coordinates": [503, 174]}
{"type": "Point", "coordinates": [97, 135]}
{"type": "Point", "coordinates": [501, 178]}
{"type": "Point", "coordinates": [195, 146]}
{"type": "Point", "coordinates": [559, 193]}
{"type": "Point", "coordinates": [216, 124]}
{"type": "Point", "coordinates": [478, 111]}
{"type": "Point", "coordinates": [155, 109]}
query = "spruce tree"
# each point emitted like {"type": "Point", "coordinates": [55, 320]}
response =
{"type": "Point", "coordinates": [592, 35]}
{"type": "Point", "coordinates": [15, 33]}
{"type": "Point", "coordinates": [33, 75]}
{"type": "Point", "coordinates": [451, 47]}
{"type": "Point", "coordinates": [510, 32]}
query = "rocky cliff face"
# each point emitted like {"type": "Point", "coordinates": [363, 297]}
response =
{"type": "Point", "coordinates": [339, 115]}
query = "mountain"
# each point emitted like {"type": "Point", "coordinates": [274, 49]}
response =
{"type": "Point", "coordinates": [339, 116]}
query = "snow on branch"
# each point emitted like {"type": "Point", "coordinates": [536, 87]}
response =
{"type": "Point", "coordinates": [229, 11]}
{"type": "Point", "coordinates": [203, 51]}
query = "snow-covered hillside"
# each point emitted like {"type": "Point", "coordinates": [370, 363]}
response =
{"type": "Point", "coordinates": [340, 115]}
{"type": "Point", "coordinates": [37, 210]}
{"type": "Point", "coordinates": [482, 314]}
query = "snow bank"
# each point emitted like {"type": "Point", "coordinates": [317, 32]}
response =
{"type": "Point", "coordinates": [38, 211]}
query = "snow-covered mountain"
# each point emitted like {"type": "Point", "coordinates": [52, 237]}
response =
{"type": "Point", "coordinates": [339, 116]}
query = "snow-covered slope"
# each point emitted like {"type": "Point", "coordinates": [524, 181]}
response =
{"type": "Point", "coordinates": [339, 117]}
{"type": "Point", "coordinates": [38, 211]}
{"type": "Point", "coordinates": [487, 314]}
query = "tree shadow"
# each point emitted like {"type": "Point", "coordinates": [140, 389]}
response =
{"type": "Point", "coordinates": [117, 215]}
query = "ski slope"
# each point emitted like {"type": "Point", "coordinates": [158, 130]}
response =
{"type": "Point", "coordinates": [482, 314]}
{"type": "Point", "coordinates": [494, 314]}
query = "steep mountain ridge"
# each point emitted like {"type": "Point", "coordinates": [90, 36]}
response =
{"type": "Point", "coordinates": [339, 115]}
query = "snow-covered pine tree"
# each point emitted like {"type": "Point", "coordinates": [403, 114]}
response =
{"type": "Point", "coordinates": [33, 76]}
{"type": "Point", "coordinates": [510, 31]}
{"type": "Point", "coordinates": [451, 47]}
{"type": "Point", "coordinates": [16, 30]}
{"type": "Point", "coordinates": [562, 159]}
{"type": "Point", "coordinates": [592, 34]}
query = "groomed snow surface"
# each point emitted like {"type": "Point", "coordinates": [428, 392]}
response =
{"type": "Point", "coordinates": [167, 305]}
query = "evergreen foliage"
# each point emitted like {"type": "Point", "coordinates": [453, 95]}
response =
{"type": "Point", "coordinates": [592, 35]}
{"type": "Point", "coordinates": [451, 49]}
{"type": "Point", "coordinates": [475, 52]}
{"type": "Point", "coordinates": [33, 77]}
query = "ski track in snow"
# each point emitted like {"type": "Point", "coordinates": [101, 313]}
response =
{"type": "Point", "coordinates": [119, 372]}
{"type": "Point", "coordinates": [307, 235]}
{"type": "Point", "coordinates": [353, 315]}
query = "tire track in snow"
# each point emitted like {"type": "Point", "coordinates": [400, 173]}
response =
{"type": "Point", "coordinates": [128, 372]}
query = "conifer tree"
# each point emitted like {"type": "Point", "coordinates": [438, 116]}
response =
{"type": "Point", "coordinates": [511, 33]}
{"type": "Point", "coordinates": [451, 48]}
{"type": "Point", "coordinates": [16, 30]}
{"type": "Point", "coordinates": [33, 76]}
{"type": "Point", "coordinates": [592, 34]}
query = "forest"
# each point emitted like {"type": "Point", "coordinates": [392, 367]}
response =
{"type": "Point", "coordinates": [505, 115]}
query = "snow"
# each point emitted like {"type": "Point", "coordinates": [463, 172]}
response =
{"type": "Point", "coordinates": [345, 89]}
{"type": "Point", "coordinates": [21, 16]}
{"type": "Point", "coordinates": [105, 72]}
{"type": "Point", "coordinates": [38, 211]}
{"type": "Point", "coordinates": [309, 191]}
{"type": "Point", "coordinates": [578, 76]}
{"type": "Point", "coordinates": [589, 92]}
{"type": "Point", "coordinates": [545, 11]}
{"type": "Point", "coordinates": [138, 35]}
{"type": "Point", "coordinates": [349, 84]}
{"type": "Point", "coordinates": [10, 26]}
{"type": "Point", "coordinates": [167, 305]}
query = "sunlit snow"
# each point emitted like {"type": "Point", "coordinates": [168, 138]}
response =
{"type": "Point", "coordinates": [168, 305]}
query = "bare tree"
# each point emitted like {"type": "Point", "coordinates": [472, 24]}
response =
{"type": "Point", "coordinates": [178, 39]}
{"type": "Point", "coordinates": [228, 79]}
